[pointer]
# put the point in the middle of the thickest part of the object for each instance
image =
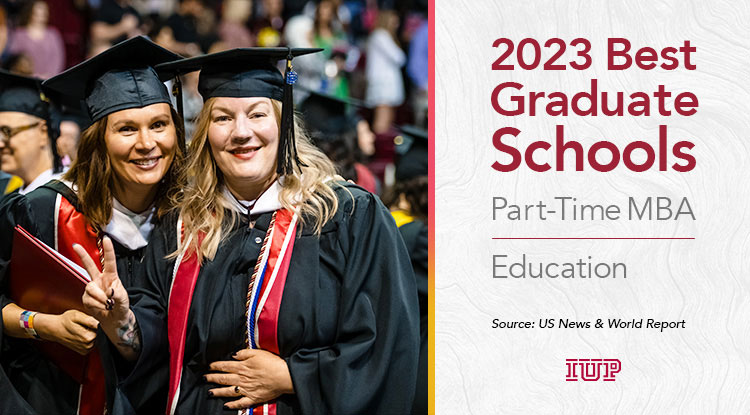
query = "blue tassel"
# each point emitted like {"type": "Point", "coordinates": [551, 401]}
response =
{"type": "Point", "coordinates": [291, 77]}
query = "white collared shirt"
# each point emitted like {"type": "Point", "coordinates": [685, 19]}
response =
{"type": "Point", "coordinates": [128, 228]}
{"type": "Point", "coordinates": [43, 178]}
{"type": "Point", "coordinates": [267, 202]}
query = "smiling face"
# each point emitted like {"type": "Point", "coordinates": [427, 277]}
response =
{"type": "Point", "coordinates": [24, 154]}
{"type": "Point", "coordinates": [244, 136]}
{"type": "Point", "coordinates": [141, 144]}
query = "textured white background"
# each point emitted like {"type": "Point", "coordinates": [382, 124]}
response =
{"type": "Point", "coordinates": [703, 369]}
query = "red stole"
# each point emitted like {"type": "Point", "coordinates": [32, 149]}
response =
{"type": "Point", "coordinates": [180, 295]}
{"type": "Point", "coordinates": [72, 227]}
{"type": "Point", "coordinates": [265, 298]}
{"type": "Point", "coordinates": [263, 315]}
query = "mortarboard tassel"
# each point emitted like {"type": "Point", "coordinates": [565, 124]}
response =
{"type": "Point", "coordinates": [177, 92]}
{"type": "Point", "coordinates": [287, 155]}
{"type": "Point", "coordinates": [53, 131]}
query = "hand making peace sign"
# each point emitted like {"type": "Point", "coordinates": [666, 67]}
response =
{"type": "Point", "coordinates": [107, 300]}
{"type": "Point", "coordinates": [105, 287]}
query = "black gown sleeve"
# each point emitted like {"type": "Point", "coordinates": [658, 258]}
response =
{"type": "Point", "coordinates": [372, 366]}
{"type": "Point", "coordinates": [10, 401]}
{"type": "Point", "coordinates": [14, 210]}
{"type": "Point", "coordinates": [34, 212]}
{"type": "Point", "coordinates": [27, 379]}
{"type": "Point", "coordinates": [415, 236]}
{"type": "Point", "coordinates": [4, 179]}
{"type": "Point", "coordinates": [142, 385]}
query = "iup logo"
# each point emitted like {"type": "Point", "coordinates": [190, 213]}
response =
{"type": "Point", "coordinates": [591, 370]}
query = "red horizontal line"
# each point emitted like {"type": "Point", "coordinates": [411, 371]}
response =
{"type": "Point", "coordinates": [605, 238]}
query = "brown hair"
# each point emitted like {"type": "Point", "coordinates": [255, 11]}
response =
{"type": "Point", "coordinates": [24, 16]}
{"type": "Point", "coordinates": [334, 17]}
{"type": "Point", "coordinates": [415, 192]}
{"type": "Point", "coordinates": [92, 174]}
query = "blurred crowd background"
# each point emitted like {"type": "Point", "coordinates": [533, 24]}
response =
{"type": "Point", "coordinates": [375, 57]}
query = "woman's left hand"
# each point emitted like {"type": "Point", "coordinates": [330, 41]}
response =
{"type": "Point", "coordinates": [256, 376]}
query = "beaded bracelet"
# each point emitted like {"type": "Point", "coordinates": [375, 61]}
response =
{"type": "Point", "coordinates": [27, 323]}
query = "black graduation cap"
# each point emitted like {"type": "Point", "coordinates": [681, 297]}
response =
{"type": "Point", "coordinates": [78, 115]}
{"type": "Point", "coordinates": [411, 146]}
{"type": "Point", "coordinates": [328, 116]}
{"type": "Point", "coordinates": [66, 108]}
{"type": "Point", "coordinates": [20, 93]}
{"type": "Point", "coordinates": [69, 111]}
{"type": "Point", "coordinates": [250, 72]}
{"type": "Point", "coordinates": [119, 78]}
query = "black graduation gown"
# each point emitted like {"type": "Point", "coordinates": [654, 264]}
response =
{"type": "Point", "coordinates": [4, 179]}
{"type": "Point", "coordinates": [415, 236]}
{"type": "Point", "coordinates": [348, 322]}
{"type": "Point", "coordinates": [43, 386]}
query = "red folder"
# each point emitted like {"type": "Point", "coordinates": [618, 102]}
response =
{"type": "Point", "coordinates": [42, 280]}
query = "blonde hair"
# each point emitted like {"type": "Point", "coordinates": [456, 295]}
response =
{"type": "Point", "coordinates": [93, 177]}
{"type": "Point", "coordinates": [206, 211]}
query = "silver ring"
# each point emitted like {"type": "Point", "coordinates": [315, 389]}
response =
{"type": "Point", "coordinates": [236, 389]}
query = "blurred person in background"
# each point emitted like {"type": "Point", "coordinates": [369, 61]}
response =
{"type": "Point", "coordinates": [328, 35]}
{"type": "Point", "coordinates": [155, 8]}
{"type": "Point", "coordinates": [268, 24]}
{"type": "Point", "coordinates": [37, 40]}
{"type": "Point", "coordinates": [365, 138]}
{"type": "Point", "coordinates": [326, 72]}
{"type": "Point", "coordinates": [233, 30]}
{"type": "Point", "coordinates": [416, 68]}
{"type": "Point", "coordinates": [5, 35]}
{"type": "Point", "coordinates": [343, 15]}
{"type": "Point", "coordinates": [70, 123]}
{"type": "Point", "coordinates": [67, 142]}
{"type": "Point", "coordinates": [336, 76]}
{"type": "Point", "coordinates": [180, 25]}
{"type": "Point", "coordinates": [385, 85]}
{"type": "Point", "coordinates": [162, 35]}
{"type": "Point", "coordinates": [327, 32]}
{"type": "Point", "coordinates": [206, 24]}
{"type": "Point", "coordinates": [71, 18]}
{"type": "Point", "coordinates": [190, 35]}
{"type": "Point", "coordinates": [192, 102]}
{"type": "Point", "coordinates": [113, 22]}
{"type": "Point", "coordinates": [27, 147]}
{"type": "Point", "coordinates": [336, 131]}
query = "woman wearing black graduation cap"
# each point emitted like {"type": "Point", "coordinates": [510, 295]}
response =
{"type": "Point", "coordinates": [124, 178]}
{"type": "Point", "coordinates": [276, 288]}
